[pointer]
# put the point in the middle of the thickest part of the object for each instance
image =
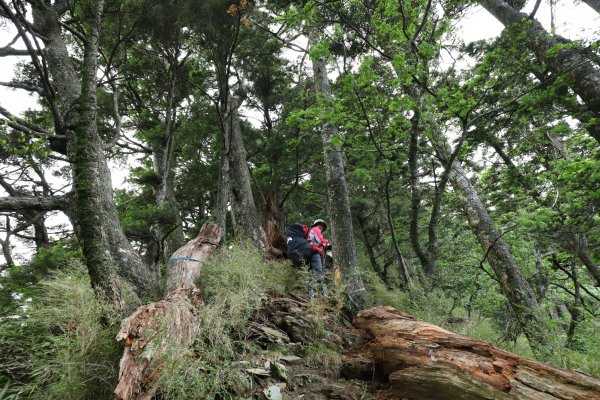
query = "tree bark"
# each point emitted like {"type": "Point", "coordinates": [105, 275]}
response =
{"type": "Point", "coordinates": [561, 55]}
{"type": "Point", "coordinates": [110, 258]}
{"type": "Point", "coordinates": [595, 4]}
{"type": "Point", "coordinates": [342, 231]}
{"type": "Point", "coordinates": [272, 228]}
{"type": "Point", "coordinates": [224, 183]}
{"type": "Point", "coordinates": [513, 284]}
{"type": "Point", "coordinates": [176, 317]}
{"type": "Point", "coordinates": [246, 222]}
{"type": "Point", "coordinates": [424, 361]}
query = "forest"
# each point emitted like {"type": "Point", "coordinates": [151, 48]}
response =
{"type": "Point", "coordinates": [166, 145]}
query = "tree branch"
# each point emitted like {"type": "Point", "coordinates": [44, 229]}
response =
{"type": "Point", "coordinates": [24, 86]}
{"type": "Point", "coordinates": [37, 203]}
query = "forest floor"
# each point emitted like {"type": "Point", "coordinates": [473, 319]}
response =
{"type": "Point", "coordinates": [300, 355]}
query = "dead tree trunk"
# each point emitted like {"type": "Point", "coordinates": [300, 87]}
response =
{"type": "Point", "coordinates": [424, 361]}
{"type": "Point", "coordinates": [272, 228]}
{"type": "Point", "coordinates": [175, 317]}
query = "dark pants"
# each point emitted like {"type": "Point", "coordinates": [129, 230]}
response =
{"type": "Point", "coordinates": [316, 274]}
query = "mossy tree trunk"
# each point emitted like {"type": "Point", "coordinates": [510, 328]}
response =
{"type": "Point", "coordinates": [342, 231]}
{"type": "Point", "coordinates": [497, 253]}
{"type": "Point", "coordinates": [114, 266]}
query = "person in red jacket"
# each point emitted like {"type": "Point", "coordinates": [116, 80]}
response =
{"type": "Point", "coordinates": [318, 243]}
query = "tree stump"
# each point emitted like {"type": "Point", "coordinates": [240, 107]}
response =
{"type": "Point", "coordinates": [167, 326]}
{"type": "Point", "coordinates": [424, 361]}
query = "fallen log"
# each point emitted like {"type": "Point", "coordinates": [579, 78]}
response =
{"type": "Point", "coordinates": [424, 361]}
{"type": "Point", "coordinates": [167, 326]}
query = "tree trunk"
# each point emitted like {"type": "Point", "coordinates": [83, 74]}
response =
{"type": "Point", "coordinates": [427, 263]}
{"type": "Point", "coordinates": [595, 4]}
{"type": "Point", "coordinates": [513, 284]}
{"type": "Point", "coordinates": [578, 245]}
{"type": "Point", "coordinates": [562, 56]}
{"type": "Point", "coordinates": [246, 222]}
{"type": "Point", "coordinates": [342, 232]}
{"type": "Point", "coordinates": [143, 333]}
{"type": "Point", "coordinates": [403, 269]}
{"type": "Point", "coordinates": [272, 228]}
{"type": "Point", "coordinates": [367, 233]}
{"type": "Point", "coordinates": [110, 258]}
{"type": "Point", "coordinates": [168, 236]}
{"type": "Point", "coordinates": [424, 361]}
{"type": "Point", "coordinates": [222, 201]}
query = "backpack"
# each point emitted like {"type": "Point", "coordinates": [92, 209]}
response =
{"type": "Point", "coordinates": [298, 248]}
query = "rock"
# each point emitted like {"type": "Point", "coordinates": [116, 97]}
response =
{"type": "Point", "coordinates": [298, 329]}
{"type": "Point", "coordinates": [242, 385]}
{"type": "Point", "coordinates": [272, 393]}
{"type": "Point", "coordinates": [279, 371]}
{"type": "Point", "coordinates": [264, 335]}
{"type": "Point", "coordinates": [258, 372]}
{"type": "Point", "coordinates": [291, 360]}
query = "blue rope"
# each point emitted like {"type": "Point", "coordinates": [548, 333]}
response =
{"type": "Point", "coordinates": [184, 259]}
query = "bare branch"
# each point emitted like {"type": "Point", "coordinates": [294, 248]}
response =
{"type": "Point", "coordinates": [24, 86]}
{"type": "Point", "coordinates": [37, 203]}
{"type": "Point", "coordinates": [10, 51]}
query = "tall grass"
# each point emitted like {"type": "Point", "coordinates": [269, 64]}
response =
{"type": "Point", "coordinates": [234, 283]}
{"type": "Point", "coordinates": [70, 337]}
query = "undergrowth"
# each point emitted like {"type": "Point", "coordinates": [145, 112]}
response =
{"type": "Point", "coordinates": [234, 283]}
{"type": "Point", "coordinates": [69, 336]}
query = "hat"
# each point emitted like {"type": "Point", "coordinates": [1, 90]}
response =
{"type": "Point", "coordinates": [319, 221]}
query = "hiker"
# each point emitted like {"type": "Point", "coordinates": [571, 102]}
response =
{"type": "Point", "coordinates": [299, 251]}
{"type": "Point", "coordinates": [318, 244]}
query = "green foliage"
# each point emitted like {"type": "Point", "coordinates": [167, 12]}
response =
{"type": "Point", "coordinates": [65, 346]}
{"type": "Point", "coordinates": [19, 284]}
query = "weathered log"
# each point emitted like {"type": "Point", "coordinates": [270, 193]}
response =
{"type": "Point", "coordinates": [167, 326]}
{"type": "Point", "coordinates": [424, 361]}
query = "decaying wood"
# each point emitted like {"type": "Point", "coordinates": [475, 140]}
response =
{"type": "Point", "coordinates": [424, 361]}
{"type": "Point", "coordinates": [275, 237]}
{"type": "Point", "coordinates": [158, 329]}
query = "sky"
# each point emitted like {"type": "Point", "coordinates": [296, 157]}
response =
{"type": "Point", "coordinates": [573, 21]}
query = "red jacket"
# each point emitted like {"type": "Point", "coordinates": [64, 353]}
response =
{"type": "Point", "coordinates": [317, 239]}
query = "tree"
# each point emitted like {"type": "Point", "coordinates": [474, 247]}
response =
{"type": "Point", "coordinates": [112, 262]}
{"type": "Point", "coordinates": [340, 216]}
{"type": "Point", "coordinates": [562, 56]}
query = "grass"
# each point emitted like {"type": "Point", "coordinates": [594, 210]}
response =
{"type": "Point", "coordinates": [323, 357]}
{"type": "Point", "coordinates": [70, 339]}
{"type": "Point", "coordinates": [234, 283]}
